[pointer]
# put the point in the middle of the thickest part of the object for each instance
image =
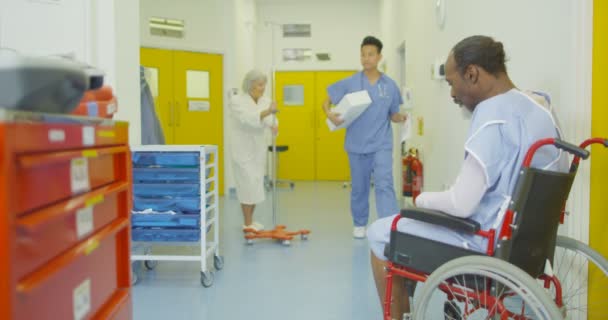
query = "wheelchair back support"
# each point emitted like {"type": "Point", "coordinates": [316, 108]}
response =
{"type": "Point", "coordinates": [540, 196]}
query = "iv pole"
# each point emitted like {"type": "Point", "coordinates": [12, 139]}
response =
{"type": "Point", "coordinates": [279, 232]}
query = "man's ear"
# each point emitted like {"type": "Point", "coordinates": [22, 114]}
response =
{"type": "Point", "coordinates": [472, 74]}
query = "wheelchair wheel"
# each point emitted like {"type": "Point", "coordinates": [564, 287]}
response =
{"type": "Point", "coordinates": [484, 288]}
{"type": "Point", "coordinates": [581, 270]}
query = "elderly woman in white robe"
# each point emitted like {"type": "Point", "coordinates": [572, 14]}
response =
{"type": "Point", "coordinates": [252, 114]}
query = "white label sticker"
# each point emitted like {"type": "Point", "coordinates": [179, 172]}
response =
{"type": "Point", "coordinates": [84, 221]}
{"type": "Point", "coordinates": [198, 105]}
{"type": "Point", "coordinates": [88, 136]}
{"type": "Point", "coordinates": [79, 175]}
{"type": "Point", "coordinates": [56, 135]}
{"type": "Point", "coordinates": [82, 300]}
{"type": "Point", "coordinates": [112, 108]}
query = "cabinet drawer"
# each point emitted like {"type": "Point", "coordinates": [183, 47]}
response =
{"type": "Point", "coordinates": [174, 159]}
{"type": "Point", "coordinates": [158, 220]}
{"type": "Point", "coordinates": [39, 137]}
{"type": "Point", "coordinates": [46, 233]}
{"type": "Point", "coordinates": [182, 205]}
{"type": "Point", "coordinates": [173, 190]}
{"type": "Point", "coordinates": [77, 284]}
{"type": "Point", "coordinates": [43, 179]}
{"type": "Point", "coordinates": [166, 235]}
{"type": "Point", "coordinates": [166, 175]}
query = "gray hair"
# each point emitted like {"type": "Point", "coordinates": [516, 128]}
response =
{"type": "Point", "coordinates": [251, 77]}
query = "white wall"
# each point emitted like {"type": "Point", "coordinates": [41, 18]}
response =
{"type": "Point", "coordinates": [101, 32]}
{"type": "Point", "coordinates": [337, 27]}
{"type": "Point", "coordinates": [125, 49]}
{"type": "Point", "coordinates": [547, 43]}
{"type": "Point", "coordinates": [218, 26]}
{"type": "Point", "coordinates": [241, 53]}
{"type": "Point", "coordinates": [44, 28]}
{"type": "Point", "coordinates": [203, 24]}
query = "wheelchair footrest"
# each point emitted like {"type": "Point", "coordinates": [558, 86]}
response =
{"type": "Point", "coordinates": [422, 254]}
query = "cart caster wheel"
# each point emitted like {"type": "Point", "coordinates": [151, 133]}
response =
{"type": "Point", "coordinates": [218, 262]}
{"type": "Point", "coordinates": [150, 264]}
{"type": "Point", "coordinates": [206, 279]}
{"type": "Point", "coordinates": [249, 242]}
{"type": "Point", "coordinates": [286, 243]}
{"type": "Point", "coordinates": [304, 236]}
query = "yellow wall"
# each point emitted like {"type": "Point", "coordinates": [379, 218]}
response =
{"type": "Point", "coordinates": [599, 128]}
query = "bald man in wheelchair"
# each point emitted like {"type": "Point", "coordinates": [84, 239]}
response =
{"type": "Point", "coordinates": [505, 122]}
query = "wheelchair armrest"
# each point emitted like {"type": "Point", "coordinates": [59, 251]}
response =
{"type": "Point", "coordinates": [441, 219]}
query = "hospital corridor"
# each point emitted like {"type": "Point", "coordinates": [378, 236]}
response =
{"type": "Point", "coordinates": [295, 272]}
{"type": "Point", "coordinates": [303, 159]}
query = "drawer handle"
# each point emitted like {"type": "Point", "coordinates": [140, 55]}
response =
{"type": "Point", "coordinates": [114, 305]}
{"type": "Point", "coordinates": [34, 160]}
{"type": "Point", "coordinates": [85, 248]}
{"type": "Point", "coordinates": [106, 133]}
{"type": "Point", "coordinates": [38, 219]}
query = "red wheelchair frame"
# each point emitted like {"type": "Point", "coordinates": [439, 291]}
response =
{"type": "Point", "coordinates": [485, 298]}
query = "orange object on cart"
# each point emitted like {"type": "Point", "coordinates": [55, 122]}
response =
{"type": "Point", "coordinates": [97, 103]}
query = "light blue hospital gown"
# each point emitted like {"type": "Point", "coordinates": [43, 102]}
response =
{"type": "Point", "coordinates": [502, 130]}
{"type": "Point", "coordinates": [369, 144]}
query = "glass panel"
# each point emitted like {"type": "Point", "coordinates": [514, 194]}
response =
{"type": "Point", "coordinates": [151, 76]}
{"type": "Point", "coordinates": [296, 30]}
{"type": "Point", "coordinates": [297, 54]}
{"type": "Point", "coordinates": [293, 95]}
{"type": "Point", "coordinates": [197, 84]}
{"type": "Point", "coordinates": [166, 27]}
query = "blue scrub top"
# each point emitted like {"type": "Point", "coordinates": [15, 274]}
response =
{"type": "Point", "coordinates": [371, 131]}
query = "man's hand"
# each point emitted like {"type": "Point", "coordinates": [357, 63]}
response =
{"type": "Point", "coordinates": [398, 117]}
{"type": "Point", "coordinates": [274, 130]}
{"type": "Point", "coordinates": [334, 118]}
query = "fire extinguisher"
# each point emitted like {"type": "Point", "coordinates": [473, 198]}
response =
{"type": "Point", "coordinates": [412, 174]}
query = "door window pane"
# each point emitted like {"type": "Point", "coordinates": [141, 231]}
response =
{"type": "Point", "coordinates": [197, 84]}
{"type": "Point", "coordinates": [293, 95]}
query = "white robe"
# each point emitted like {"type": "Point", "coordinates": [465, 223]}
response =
{"type": "Point", "coordinates": [249, 147]}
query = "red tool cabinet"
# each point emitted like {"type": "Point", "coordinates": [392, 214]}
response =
{"type": "Point", "coordinates": [65, 199]}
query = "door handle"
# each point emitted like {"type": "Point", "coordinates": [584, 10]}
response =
{"type": "Point", "coordinates": [178, 117]}
{"type": "Point", "coordinates": [170, 114]}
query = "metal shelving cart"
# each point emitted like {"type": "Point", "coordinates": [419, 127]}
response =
{"type": "Point", "coordinates": [176, 203]}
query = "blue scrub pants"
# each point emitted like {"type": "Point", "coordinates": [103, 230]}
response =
{"type": "Point", "coordinates": [362, 166]}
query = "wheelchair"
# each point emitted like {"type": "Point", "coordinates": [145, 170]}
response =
{"type": "Point", "coordinates": [531, 272]}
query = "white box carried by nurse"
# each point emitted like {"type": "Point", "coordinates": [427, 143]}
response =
{"type": "Point", "coordinates": [350, 108]}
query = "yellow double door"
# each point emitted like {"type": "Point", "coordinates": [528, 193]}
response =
{"type": "Point", "coordinates": [314, 152]}
{"type": "Point", "coordinates": [187, 91]}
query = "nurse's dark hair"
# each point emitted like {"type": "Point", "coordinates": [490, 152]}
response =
{"type": "Point", "coordinates": [372, 41]}
{"type": "Point", "coordinates": [482, 51]}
